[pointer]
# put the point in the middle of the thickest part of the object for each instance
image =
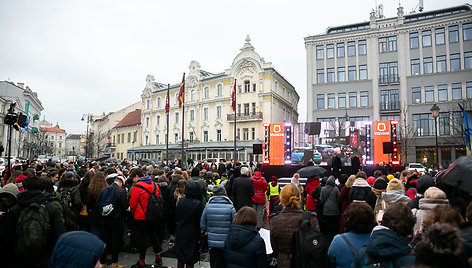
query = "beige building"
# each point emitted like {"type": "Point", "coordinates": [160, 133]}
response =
{"type": "Point", "coordinates": [56, 137]}
{"type": "Point", "coordinates": [263, 96]}
{"type": "Point", "coordinates": [126, 135]}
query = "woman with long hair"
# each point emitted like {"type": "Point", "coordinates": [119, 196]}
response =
{"type": "Point", "coordinates": [179, 190]}
{"type": "Point", "coordinates": [97, 183]}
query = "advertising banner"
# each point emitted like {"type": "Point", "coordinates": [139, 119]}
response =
{"type": "Point", "coordinates": [277, 148]}
{"type": "Point", "coordinates": [381, 134]}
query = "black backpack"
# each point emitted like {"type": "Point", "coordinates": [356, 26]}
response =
{"type": "Point", "coordinates": [155, 206]}
{"type": "Point", "coordinates": [70, 217]}
{"type": "Point", "coordinates": [106, 202]}
{"type": "Point", "coordinates": [32, 231]}
{"type": "Point", "coordinates": [309, 247]}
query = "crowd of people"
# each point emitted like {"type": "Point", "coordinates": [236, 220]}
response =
{"type": "Point", "coordinates": [71, 215]}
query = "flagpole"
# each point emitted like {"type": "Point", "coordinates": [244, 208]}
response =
{"type": "Point", "coordinates": [235, 153]}
{"type": "Point", "coordinates": [167, 129]}
{"type": "Point", "coordinates": [183, 119]}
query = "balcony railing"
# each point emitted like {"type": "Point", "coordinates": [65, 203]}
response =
{"type": "Point", "coordinates": [390, 106]}
{"type": "Point", "coordinates": [390, 79]}
{"type": "Point", "coordinates": [111, 145]}
{"type": "Point", "coordinates": [245, 116]}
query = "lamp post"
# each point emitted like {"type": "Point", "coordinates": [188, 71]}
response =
{"type": "Point", "coordinates": [87, 117]}
{"type": "Point", "coordinates": [435, 113]}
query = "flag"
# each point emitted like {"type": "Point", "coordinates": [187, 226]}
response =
{"type": "Point", "coordinates": [181, 92]}
{"type": "Point", "coordinates": [467, 128]}
{"type": "Point", "coordinates": [167, 101]}
{"type": "Point", "coordinates": [233, 97]}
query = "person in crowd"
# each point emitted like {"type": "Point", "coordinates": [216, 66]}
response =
{"type": "Point", "coordinates": [329, 199]}
{"type": "Point", "coordinates": [336, 165]}
{"type": "Point", "coordinates": [8, 194]}
{"type": "Point", "coordinates": [388, 243]}
{"type": "Point", "coordinates": [20, 247]}
{"type": "Point", "coordinates": [273, 193]}
{"type": "Point", "coordinates": [243, 190]}
{"type": "Point", "coordinates": [243, 246]}
{"type": "Point", "coordinates": [424, 182]}
{"type": "Point", "coordinates": [379, 187]}
{"type": "Point", "coordinates": [432, 197]}
{"type": "Point", "coordinates": [112, 223]}
{"type": "Point", "coordinates": [195, 177]}
{"type": "Point", "coordinates": [283, 224]}
{"type": "Point", "coordinates": [68, 186]}
{"type": "Point", "coordinates": [441, 246]}
{"type": "Point", "coordinates": [361, 190]}
{"type": "Point", "coordinates": [359, 221]}
{"type": "Point", "coordinates": [216, 221]}
{"type": "Point", "coordinates": [97, 184]}
{"type": "Point", "coordinates": [77, 249]}
{"type": "Point", "coordinates": [443, 214]}
{"type": "Point", "coordinates": [410, 186]}
{"type": "Point", "coordinates": [179, 191]}
{"type": "Point", "coordinates": [310, 186]}
{"type": "Point", "coordinates": [355, 164]}
{"type": "Point", "coordinates": [146, 228]}
{"type": "Point", "coordinates": [260, 189]}
{"type": "Point", "coordinates": [188, 215]}
{"type": "Point", "coordinates": [343, 199]}
{"type": "Point", "coordinates": [221, 168]}
{"type": "Point", "coordinates": [296, 181]}
{"type": "Point", "coordinates": [395, 193]}
{"type": "Point", "coordinates": [166, 195]}
{"type": "Point", "coordinates": [83, 190]}
{"type": "Point", "coordinates": [467, 232]}
{"type": "Point", "coordinates": [235, 173]}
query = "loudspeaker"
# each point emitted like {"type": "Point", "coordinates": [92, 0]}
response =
{"type": "Point", "coordinates": [257, 148]}
{"type": "Point", "coordinates": [313, 128]}
{"type": "Point", "coordinates": [387, 147]}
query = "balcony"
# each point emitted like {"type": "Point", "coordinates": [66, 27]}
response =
{"type": "Point", "coordinates": [111, 145]}
{"type": "Point", "coordinates": [244, 117]}
{"type": "Point", "coordinates": [389, 80]}
{"type": "Point", "coordinates": [389, 106]}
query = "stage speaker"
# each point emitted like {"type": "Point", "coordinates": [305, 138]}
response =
{"type": "Point", "coordinates": [257, 148]}
{"type": "Point", "coordinates": [313, 128]}
{"type": "Point", "coordinates": [387, 147]}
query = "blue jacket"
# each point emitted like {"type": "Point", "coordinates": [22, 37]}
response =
{"type": "Point", "coordinates": [339, 253]}
{"type": "Point", "coordinates": [244, 248]}
{"type": "Point", "coordinates": [77, 249]}
{"type": "Point", "coordinates": [216, 220]}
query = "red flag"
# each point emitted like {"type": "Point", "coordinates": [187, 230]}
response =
{"type": "Point", "coordinates": [181, 92]}
{"type": "Point", "coordinates": [233, 97]}
{"type": "Point", "coordinates": [167, 101]}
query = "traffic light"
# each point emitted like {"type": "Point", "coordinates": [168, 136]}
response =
{"type": "Point", "coordinates": [22, 120]}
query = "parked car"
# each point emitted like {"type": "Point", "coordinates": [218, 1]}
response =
{"type": "Point", "coordinates": [325, 150]}
{"type": "Point", "coordinates": [146, 162]}
{"type": "Point", "coordinates": [42, 158]}
{"type": "Point", "coordinates": [299, 152]}
{"type": "Point", "coordinates": [416, 166]}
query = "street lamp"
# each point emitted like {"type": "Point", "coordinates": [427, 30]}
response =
{"type": "Point", "coordinates": [435, 113]}
{"type": "Point", "coordinates": [87, 117]}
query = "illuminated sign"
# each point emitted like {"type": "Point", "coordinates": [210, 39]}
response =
{"type": "Point", "coordinates": [381, 135]}
{"type": "Point", "coordinates": [277, 144]}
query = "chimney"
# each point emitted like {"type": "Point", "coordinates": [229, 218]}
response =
{"type": "Point", "coordinates": [20, 85]}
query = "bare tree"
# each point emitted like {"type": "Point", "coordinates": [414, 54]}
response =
{"type": "Point", "coordinates": [406, 134]}
{"type": "Point", "coordinates": [340, 130]}
{"type": "Point", "coordinates": [457, 123]}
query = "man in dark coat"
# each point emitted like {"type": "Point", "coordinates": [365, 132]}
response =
{"type": "Point", "coordinates": [355, 164]}
{"type": "Point", "coordinates": [336, 165]}
{"type": "Point", "coordinates": [243, 190]}
{"type": "Point", "coordinates": [221, 168]}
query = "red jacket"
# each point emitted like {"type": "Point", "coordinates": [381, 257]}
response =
{"type": "Point", "coordinates": [310, 187]}
{"type": "Point", "coordinates": [139, 198]}
{"type": "Point", "coordinates": [260, 188]}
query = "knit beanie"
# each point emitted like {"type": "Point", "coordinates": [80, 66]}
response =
{"type": "Point", "coordinates": [390, 177]}
{"type": "Point", "coordinates": [380, 184]}
{"type": "Point", "coordinates": [274, 179]}
{"type": "Point", "coordinates": [371, 180]}
{"type": "Point", "coordinates": [394, 184]}
{"type": "Point", "coordinates": [10, 189]}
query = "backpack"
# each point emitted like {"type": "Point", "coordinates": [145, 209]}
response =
{"type": "Point", "coordinates": [32, 231]}
{"type": "Point", "coordinates": [106, 204]}
{"type": "Point", "coordinates": [70, 217]}
{"type": "Point", "coordinates": [155, 206]}
{"type": "Point", "coordinates": [309, 247]}
{"type": "Point", "coordinates": [368, 262]}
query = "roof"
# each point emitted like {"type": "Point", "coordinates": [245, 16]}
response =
{"type": "Point", "coordinates": [54, 129]}
{"type": "Point", "coordinates": [73, 136]}
{"type": "Point", "coordinates": [131, 119]}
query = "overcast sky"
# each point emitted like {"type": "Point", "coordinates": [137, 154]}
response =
{"type": "Point", "coordinates": [93, 56]}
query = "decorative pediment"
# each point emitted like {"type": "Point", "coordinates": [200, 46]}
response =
{"type": "Point", "coordinates": [191, 82]}
{"type": "Point", "coordinates": [218, 124]}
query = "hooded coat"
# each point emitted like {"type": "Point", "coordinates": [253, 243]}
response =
{"type": "Point", "coordinates": [362, 191]}
{"type": "Point", "coordinates": [260, 188]}
{"type": "Point", "coordinates": [243, 192]}
{"type": "Point", "coordinates": [309, 188]}
{"type": "Point", "coordinates": [425, 207]}
{"type": "Point", "coordinates": [139, 198]}
{"type": "Point", "coordinates": [329, 198]}
{"type": "Point", "coordinates": [76, 250]}
{"type": "Point", "coordinates": [244, 248]}
{"type": "Point", "coordinates": [188, 214]}
{"type": "Point", "coordinates": [424, 182]}
{"type": "Point", "coordinates": [216, 220]}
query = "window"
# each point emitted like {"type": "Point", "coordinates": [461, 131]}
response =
{"type": "Point", "coordinates": [393, 72]}
{"type": "Point", "coordinates": [176, 118]}
{"type": "Point", "coordinates": [415, 66]}
{"type": "Point", "coordinates": [135, 134]}
{"type": "Point", "coordinates": [205, 136]}
{"type": "Point", "coordinates": [458, 123]}
{"type": "Point", "coordinates": [331, 101]}
{"type": "Point", "coordinates": [340, 50]}
{"type": "Point", "coordinates": [383, 45]}
{"type": "Point", "coordinates": [146, 140]}
{"type": "Point", "coordinates": [246, 109]}
{"type": "Point", "coordinates": [148, 104]}
{"type": "Point", "coordinates": [341, 74]}
{"type": "Point", "coordinates": [351, 75]}
{"type": "Point", "coordinates": [392, 43]}
{"type": "Point", "coordinates": [253, 133]}
{"type": "Point", "coordinates": [219, 90]}
{"type": "Point", "coordinates": [60, 144]}
{"type": "Point", "coordinates": [351, 49]}
{"type": "Point", "coordinates": [362, 46]}
{"type": "Point", "coordinates": [247, 86]}
{"type": "Point", "coordinates": [442, 93]}
{"type": "Point", "coordinates": [362, 72]}
{"type": "Point", "coordinates": [205, 113]}
{"type": "Point", "coordinates": [467, 30]}
{"type": "Point", "coordinates": [329, 119]}
{"type": "Point", "coordinates": [147, 121]}
{"type": "Point", "coordinates": [176, 98]}
{"type": "Point", "coordinates": [352, 99]}
{"type": "Point", "coordinates": [254, 87]}
{"type": "Point", "coordinates": [157, 138]}
{"type": "Point", "coordinates": [218, 112]}
{"type": "Point", "coordinates": [389, 100]}
{"type": "Point", "coordinates": [427, 65]}
{"type": "Point", "coordinates": [330, 51]}
{"type": "Point", "coordinates": [218, 135]}
{"type": "Point", "coordinates": [429, 94]}
{"type": "Point", "coordinates": [455, 62]}
{"type": "Point", "coordinates": [192, 95]}
{"type": "Point", "coordinates": [206, 92]}
{"type": "Point", "coordinates": [192, 115]}
{"type": "Point", "coordinates": [320, 76]}
{"type": "Point", "coordinates": [253, 105]}
{"type": "Point", "coordinates": [245, 134]}
{"type": "Point", "coordinates": [468, 60]}
{"type": "Point", "coordinates": [320, 101]}
{"type": "Point", "coordinates": [439, 34]}
{"type": "Point", "coordinates": [319, 52]}
{"type": "Point", "coordinates": [364, 98]}
{"type": "Point", "coordinates": [239, 108]}
{"type": "Point", "coordinates": [444, 124]}
{"type": "Point", "coordinates": [330, 75]}
{"type": "Point", "coordinates": [158, 102]}
{"type": "Point", "coordinates": [426, 38]}
{"type": "Point", "coordinates": [341, 100]}
{"type": "Point", "coordinates": [456, 91]}
{"type": "Point", "coordinates": [190, 136]}
{"type": "Point", "coordinates": [383, 73]}
{"type": "Point", "coordinates": [440, 64]}
{"type": "Point", "coordinates": [468, 89]}
{"type": "Point", "coordinates": [414, 40]}
{"type": "Point", "coordinates": [176, 137]}
{"type": "Point", "coordinates": [416, 95]}
{"type": "Point", "coordinates": [158, 120]}
{"type": "Point", "coordinates": [423, 124]}
{"type": "Point", "coordinates": [129, 137]}
{"type": "Point", "coordinates": [453, 34]}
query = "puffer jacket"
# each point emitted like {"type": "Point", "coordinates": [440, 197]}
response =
{"type": "Point", "coordinates": [139, 198]}
{"type": "Point", "coordinates": [260, 188]}
{"type": "Point", "coordinates": [393, 196]}
{"type": "Point", "coordinates": [77, 249]}
{"type": "Point", "coordinates": [216, 220]}
{"type": "Point", "coordinates": [310, 187]}
{"type": "Point", "coordinates": [244, 248]}
{"type": "Point", "coordinates": [329, 197]}
{"type": "Point", "coordinates": [425, 207]}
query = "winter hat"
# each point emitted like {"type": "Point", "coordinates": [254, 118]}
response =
{"type": "Point", "coordinates": [295, 179]}
{"type": "Point", "coordinates": [20, 178]}
{"type": "Point", "coordinates": [219, 190]}
{"type": "Point", "coordinates": [424, 182]}
{"type": "Point", "coordinates": [390, 177]}
{"type": "Point", "coordinates": [371, 180]}
{"type": "Point", "coordinates": [274, 179]}
{"type": "Point", "coordinates": [10, 189]}
{"type": "Point", "coordinates": [394, 184]}
{"type": "Point", "coordinates": [380, 184]}
{"type": "Point", "coordinates": [77, 249]}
